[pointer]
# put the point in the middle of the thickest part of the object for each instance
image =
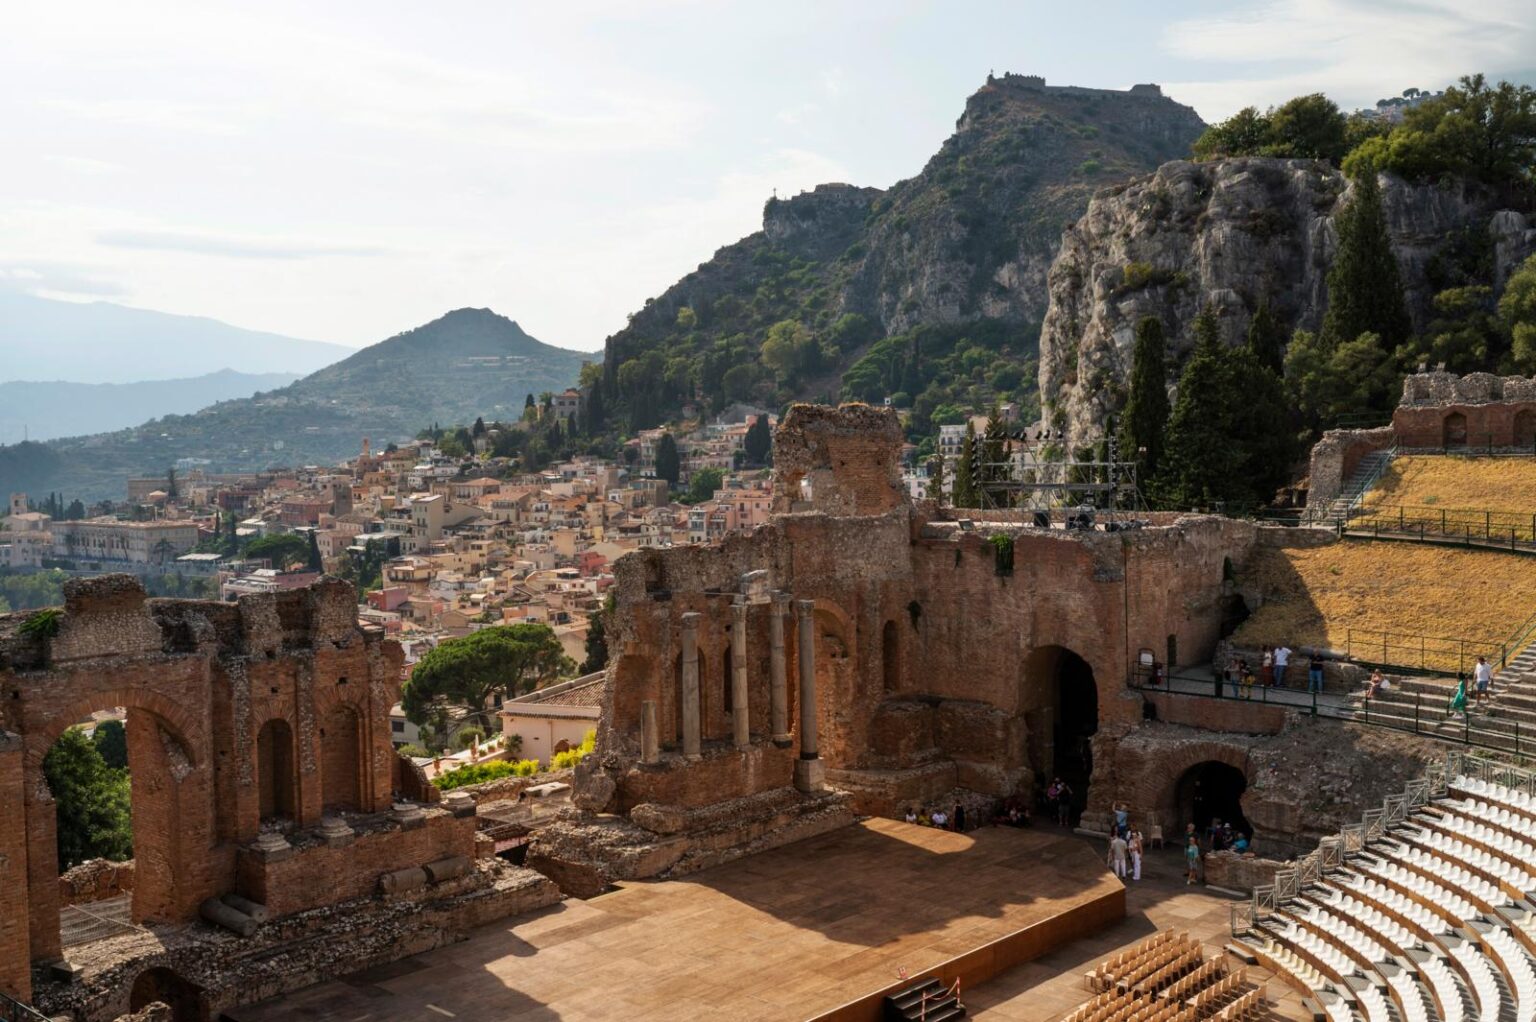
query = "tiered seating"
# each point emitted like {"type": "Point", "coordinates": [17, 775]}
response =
{"type": "Point", "coordinates": [1431, 922]}
{"type": "Point", "coordinates": [1166, 979]}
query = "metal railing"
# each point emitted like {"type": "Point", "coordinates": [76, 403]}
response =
{"type": "Point", "coordinates": [1333, 851]}
{"type": "Point", "coordinates": [12, 1010]}
{"type": "Point", "coordinates": [1502, 530]}
{"type": "Point", "coordinates": [1429, 654]}
{"type": "Point", "coordinates": [1432, 721]}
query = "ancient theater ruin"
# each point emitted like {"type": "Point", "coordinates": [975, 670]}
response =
{"type": "Point", "coordinates": [278, 839]}
{"type": "Point", "coordinates": [862, 653]}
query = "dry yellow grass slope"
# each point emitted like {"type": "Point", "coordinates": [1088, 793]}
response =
{"type": "Point", "coordinates": [1314, 597]}
{"type": "Point", "coordinates": [1492, 484]}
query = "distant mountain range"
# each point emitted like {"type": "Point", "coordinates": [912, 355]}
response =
{"type": "Point", "coordinates": [42, 339]}
{"type": "Point", "coordinates": [469, 362]}
{"type": "Point", "coordinates": [45, 410]}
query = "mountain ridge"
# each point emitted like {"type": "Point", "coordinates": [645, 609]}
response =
{"type": "Point", "coordinates": [460, 365]}
{"type": "Point", "coordinates": [104, 342]}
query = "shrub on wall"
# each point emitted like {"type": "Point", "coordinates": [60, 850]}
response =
{"type": "Point", "coordinates": [479, 773]}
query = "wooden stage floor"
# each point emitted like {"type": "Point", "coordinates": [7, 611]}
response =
{"type": "Point", "coordinates": [794, 933]}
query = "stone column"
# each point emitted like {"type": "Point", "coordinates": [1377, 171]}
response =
{"type": "Point", "coordinates": [650, 737]}
{"type": "Point", "coordinates": [810, 772]}
{"type": "Point", "coordinates": [779, 695]}
{"type": "Point", "coordinates": [740, 723]}
{"type": "Point", "coordinates": [691, 685]}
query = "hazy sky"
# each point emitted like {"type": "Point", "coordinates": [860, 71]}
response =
{"type": "Point", "coordinates": [344, 171]}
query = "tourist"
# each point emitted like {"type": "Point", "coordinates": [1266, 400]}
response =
{"type": "Point", "coordinates": [1267, 668]}
{"type": "Point", "coordinates": [1191, 861]}
{"type": "Point", "coordinates": [1235, 668]}
{"type": "Point", "coordinates": [1377, 681]}
{"type": "Point", "coordinates": [1117, 852]}
{"type": "Point", "coordinates": [1247, 684]}
{"type": "Point", "coordinates": [911, 815]}
{"type": "Point", "coordinates": [1062, 799]}
{"type": "Point", "coordinates": [1282, 657]}
{"type": "Point", "coordinates": [958, 818]}
{"type": "Point", "coordinates": [1482, 676]}
{"type": "Point", "coordinates": [1135, 845]}
{"type": "Point", "coordinates": [1240, 844]}
{"type": "Point", "coordinates": [1458, 702]}
{"type": "Point", "coordinates": [940, 819]}
{"type": "Point", "coordinates": [1213, 834]}
{"type": "Point", "coordinates": [1122, 819]}
{"type": "Point", "coordinates": [1315, 672]}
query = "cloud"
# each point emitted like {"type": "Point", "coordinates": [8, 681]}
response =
{"type": "Point", "coordinates": [1356, 51]}
{"type": "Point", "coordinates": [229, 245]}
{"type": "Point", "coordinates": [57, 280]}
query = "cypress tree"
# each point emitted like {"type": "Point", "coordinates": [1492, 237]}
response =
{"type": "Point", "coordinates": [994, 455]}
{"type": "Point", "coordinates": [1266, 339]}
{"type": "Point", "coordinates": [1201, 458]}
{"type": "Point", "coordinates": [1365, 291]}
{"type": "Point", "coordinates": [668, 464]}
{"type": "Point", "coordinates": [964, 491]}
{"type": "Point", "coordinates": [935, 491]}
{"type": "Point", "coordinates": [1145, 419]}
{"type": "Point", "coordinates": [315, 561]}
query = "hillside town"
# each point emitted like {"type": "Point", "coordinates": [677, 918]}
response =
{"type": "Point", "coordinates": [440, 544]}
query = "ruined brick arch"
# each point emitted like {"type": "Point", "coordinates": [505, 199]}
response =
{"type": "Point", "coordinates": [186, 1000]}
{"type": "Point", "coordinates": [277, 774]}
{"type": "Point", "coordinates": [170, 714]}
{"type": "Point", "coordinates": [1168, 774]}
{"type": "Point", "coordinates": [836, 634]}
{"type": "Point", "coordinates": [1453, 430]}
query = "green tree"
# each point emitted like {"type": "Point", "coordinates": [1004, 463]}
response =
{"type": "Point", "coordinates": [1326, 381]}
{"type": "Point", "coordinates": [935, 491]}
{"type": "Point", "coordinates": [282, 550]}
{"type": "Point", "coordinates": [314, 560]}
{"type": "Point", "coordinates": [1266, 339]}
{"type": "Point", "coordinates": [1517, 312]}
{"type": "Point", "coordinates": [759, 441]}
{"type": "Point", "coordinates": [478, 429]}
{"type": "Point", "coordinates": [1200, 459]}
{"type": "Point", "coordinates": [669, 465]}
{"type": "Point", "coordinates": [1365, 291]}
{"type": "Point", "coordinates": [464, 674]}
{"type": "Point", "coordinates": [1307, 127]}
{"type": "Point", "coordinates": [994, 454]}
{"type": "Point", "coordinates": [597, 639]}
{"type": "Point", "coordinates": [170, 483]}
{"type": "Point", "coordinates": [1145, 419]}
{"type": "Point", "coordinates": [111, 740]}
{"type": "Point", "coordinates": [703, 484]}
{"type": "Point", "coordinates": [1245, 133]}
{"type": "Point", "coordinates": [1465, 334]}
{"type": "Point", "coordinates": [963, 494]}
{"type": "Point", "coordinates": [92, 802]}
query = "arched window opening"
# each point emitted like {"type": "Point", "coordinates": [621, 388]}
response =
{"type": "Point", "coordinates": [1455, 430]}
{"type": "Point", "coordinates": [1213, 791]}
{"type": "Point", "coordinates": [274, 770]}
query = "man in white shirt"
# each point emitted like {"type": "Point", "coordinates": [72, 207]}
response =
{"type": "Point", "coordinates": [1282, 657]}
{"type": "Point", "coordinates": [1482, 676]}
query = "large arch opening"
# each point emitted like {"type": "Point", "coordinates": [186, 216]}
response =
{"type": "Point", "coordinates": [890, 658]}
{"type": "Point", "coordinates": [1060, 703]}
{"type": "Point", "coordinates": [1454, 430]}
{"type": "Point", "coordinates": [274, 770]}
{"type": "Point", "coordinates": [1212, 790]}
{"type": "Point", "coordinates": [160, 984]}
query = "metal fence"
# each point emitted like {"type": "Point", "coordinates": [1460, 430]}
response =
{"type": "Point", "coordinates": [1333, 851]}
{"type": "Point", "coordinates": [1430, 720]}
{"type": "Point", "coordinates": [1503, 529]}
{"type": "Point", "coordinates": [12, 1010]}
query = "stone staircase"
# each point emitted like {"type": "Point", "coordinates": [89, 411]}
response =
{"type": "Point", "coordinates": [1507, 719]}
{"type": "Point", "coordinates": [1336, 513]}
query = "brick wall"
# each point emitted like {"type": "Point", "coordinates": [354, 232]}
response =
{"type": "Point", "coordinates": [317, 874]}
{"type": "Point", "coordinates": [15, 943]}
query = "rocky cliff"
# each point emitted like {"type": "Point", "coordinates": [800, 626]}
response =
{"type": "Point", "coordinates": [969, 238]}
{"type": "Point", "coordinates": [1231, 233]}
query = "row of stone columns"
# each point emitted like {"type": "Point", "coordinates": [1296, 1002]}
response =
{"type": "Point", "coordinates": [809, 773]}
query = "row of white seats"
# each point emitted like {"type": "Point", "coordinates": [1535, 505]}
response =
{"type": "Point", "coordinates": [1493, 837]}
{"type": "Point", "coordinates": [1375, 1004]}
{"type": "Point", "coordinates": [1344, 933]}
{"type": "Point", "coordinates": [1489, 813]}
{"type": "Point", "coordinates": [1410, 997]}
{"type": "Point", "coordinates": [1367, 886]}
{"type": "Point", "coordinates": [1517, 968]}
{"type": "Point", "coordinates": [1446, 900]}
{"type": "Point", "coordinates": [1458, 876]}
{"type": "Point", "coordinates": [1287, 960]}
{"type": "Point", "coordinates": [1443, 982]}
{"type": "Point", "coordinates": [1481, 858]}
{"type": "Point", "coordinates": [1319, 947]}
{"type": "Point", "coordinates": [1484, 990]}
{"type": "Point", "coordinates": [1373, 919]}
{"type": "Point", "coordinates": [1514, 798]}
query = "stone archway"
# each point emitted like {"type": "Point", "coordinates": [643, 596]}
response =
{"type": "Point", "coordinates": [1453, 430]}
{"type": "Point", "coordinates": [276, 778]}
{"type": "Point", "coordinates": [1212, 790]}
{"type": "Point", "coordinates": [1059, 699]}
{"type": "Point", "coordinates": [1167, 791]}
{"type": "Point", "coordinates": [1525, 428]}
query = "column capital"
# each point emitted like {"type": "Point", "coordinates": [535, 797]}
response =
{"type": "Point", "coordinates": [805, 608]}
{"type": "Point", "coordinates": [690, 620]}
{"type": "Point", "coordinates": [780, 600]}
